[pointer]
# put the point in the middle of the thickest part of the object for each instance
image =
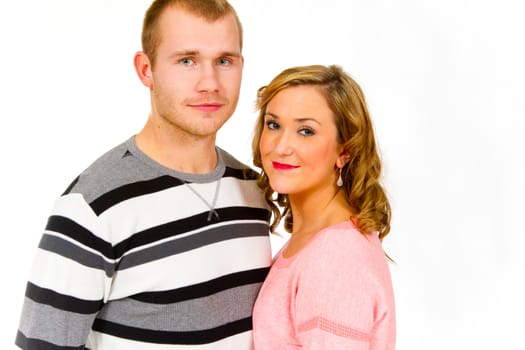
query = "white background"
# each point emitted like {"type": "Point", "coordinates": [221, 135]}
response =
{"type": "Point", "coordinates": [444, 81]}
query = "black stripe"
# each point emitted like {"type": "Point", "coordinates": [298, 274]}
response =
{"type": "Point", "coordinates": [205, 288]}
{"type": "Point", "coordinates": [185, 225]}
{"type": "Point", "coordinates": [241, 174]}
{"type": "Point", "coordinates": [70, 187]}
{"type": "Point", "coordinates": [167, 337]}
{"type": "Point", "coordinates": [29, 343]}
{"type": "Point", "coordinates": [61, 301]}
{"type": "Point", "coordinates": [140, 188]}
{"type": "Point", "coordinates": [80, 234]}
{"type": "Point", "coordinates": [135, 189]}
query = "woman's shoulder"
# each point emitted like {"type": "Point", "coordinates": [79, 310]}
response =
{"type": "Point", "coordinates": [344, 247]}
{"type": "Point", "coordinates": [345, 236]}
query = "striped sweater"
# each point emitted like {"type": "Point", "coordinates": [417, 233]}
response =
{"type": "Point", "coordinates": [135, 256]}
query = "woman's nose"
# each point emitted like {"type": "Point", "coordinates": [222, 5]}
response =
{"type": "Point", "coordinates": [284, 144]}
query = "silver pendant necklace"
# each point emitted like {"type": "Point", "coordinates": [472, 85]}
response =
{"type": "Point", "coordinates": [214, 201]}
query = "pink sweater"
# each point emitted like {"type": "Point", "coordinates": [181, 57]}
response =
{"type": "Point", "coordinates": [336, 293]}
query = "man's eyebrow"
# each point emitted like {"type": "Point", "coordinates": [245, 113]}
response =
{"type": "Point", "coordinates": [197, 53]}
{"type": "Point", "coordinates": [184, 53]}
{"type": "Point", "coordinates": [230, 54]}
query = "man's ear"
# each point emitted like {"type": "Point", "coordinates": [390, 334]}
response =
{"type": "Point", "coordinates": [143, 68]}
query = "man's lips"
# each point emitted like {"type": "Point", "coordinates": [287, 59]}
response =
{"type": "Point", "coordinates": [207, 107]}
{"type": "Point", "coordinates": [283, 166]}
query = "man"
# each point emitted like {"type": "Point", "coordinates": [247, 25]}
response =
{"type": "Point", "coordinates": [162, 243]}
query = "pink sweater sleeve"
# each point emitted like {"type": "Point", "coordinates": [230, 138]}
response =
{"type": "Point", "coordinates": [344, 297]}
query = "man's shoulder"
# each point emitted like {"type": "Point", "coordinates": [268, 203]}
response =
{"type": "Point", "coordinates": [235, 167]}
{"type": "Point", "coordinates": [115, 168]}
{"type": "Point", "coordinates": [230, 160]}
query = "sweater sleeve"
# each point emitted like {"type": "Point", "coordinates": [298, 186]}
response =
{"type": "Point", "coordinates": [344, 297]}
{"type": "Point", "coordinates": [69, 280]}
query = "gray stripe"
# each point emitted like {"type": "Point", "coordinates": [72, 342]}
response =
{"type": "Point", "coordinates": [196, 314]}
{"type": "Point", "coordinates": [54, 326]}
{"type": "Point", "coordinates": [214, 235]}
{"type": "Point", "coordinates": [69, 250]}
{"type": "Point", "coordinates": [115, 169]}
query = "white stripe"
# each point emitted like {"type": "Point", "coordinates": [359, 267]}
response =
{"type": "Point", "coordinates": [73, 207]}
{"type": "Point", "coordinates": [215, 260]}
{"type": "Point", "coordinates": [68, 277]}
{"type": "Point", "coordinates": [101, 341]}
{"type": "Point", "coordinates": [140, 213]}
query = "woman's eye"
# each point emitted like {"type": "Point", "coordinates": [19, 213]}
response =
{"type": "Point", "coordinates": [272, 125]}
{"type": "Point", "coordinates": [306, 132]}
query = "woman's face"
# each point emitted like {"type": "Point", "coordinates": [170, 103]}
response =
{"type": "Point", "coordinates": [298, 145]}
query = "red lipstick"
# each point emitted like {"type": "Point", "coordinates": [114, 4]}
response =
{"type": "Point", "coordinates": [282, 166]}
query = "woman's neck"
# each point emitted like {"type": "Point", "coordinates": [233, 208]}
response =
{"type": "Point", "coordinates": [312, 214]}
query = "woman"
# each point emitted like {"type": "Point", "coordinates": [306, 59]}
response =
{"type": "Point", "coordinates": [330, 286]}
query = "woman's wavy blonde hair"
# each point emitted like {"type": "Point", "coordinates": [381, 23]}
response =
{"type": "Point", "coordinates": [361, 174]}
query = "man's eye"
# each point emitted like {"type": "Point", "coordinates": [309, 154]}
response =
{"type": "Point", "coordinates": [224, 62]}
{"type": "Point", "coordinates": [186, 61]}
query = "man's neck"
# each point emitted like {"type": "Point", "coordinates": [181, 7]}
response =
{"type": "Point", "coordinates": [183, 153]}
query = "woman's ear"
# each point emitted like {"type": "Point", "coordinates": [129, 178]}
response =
{"type": "Point", "coordinates": [344, 157]}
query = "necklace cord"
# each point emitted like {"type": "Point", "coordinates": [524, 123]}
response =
{"type": "Point", "coordinates": [214, 201]}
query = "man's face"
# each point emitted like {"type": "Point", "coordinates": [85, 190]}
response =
{"type": "Point", "coordinates": [196, 76]}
